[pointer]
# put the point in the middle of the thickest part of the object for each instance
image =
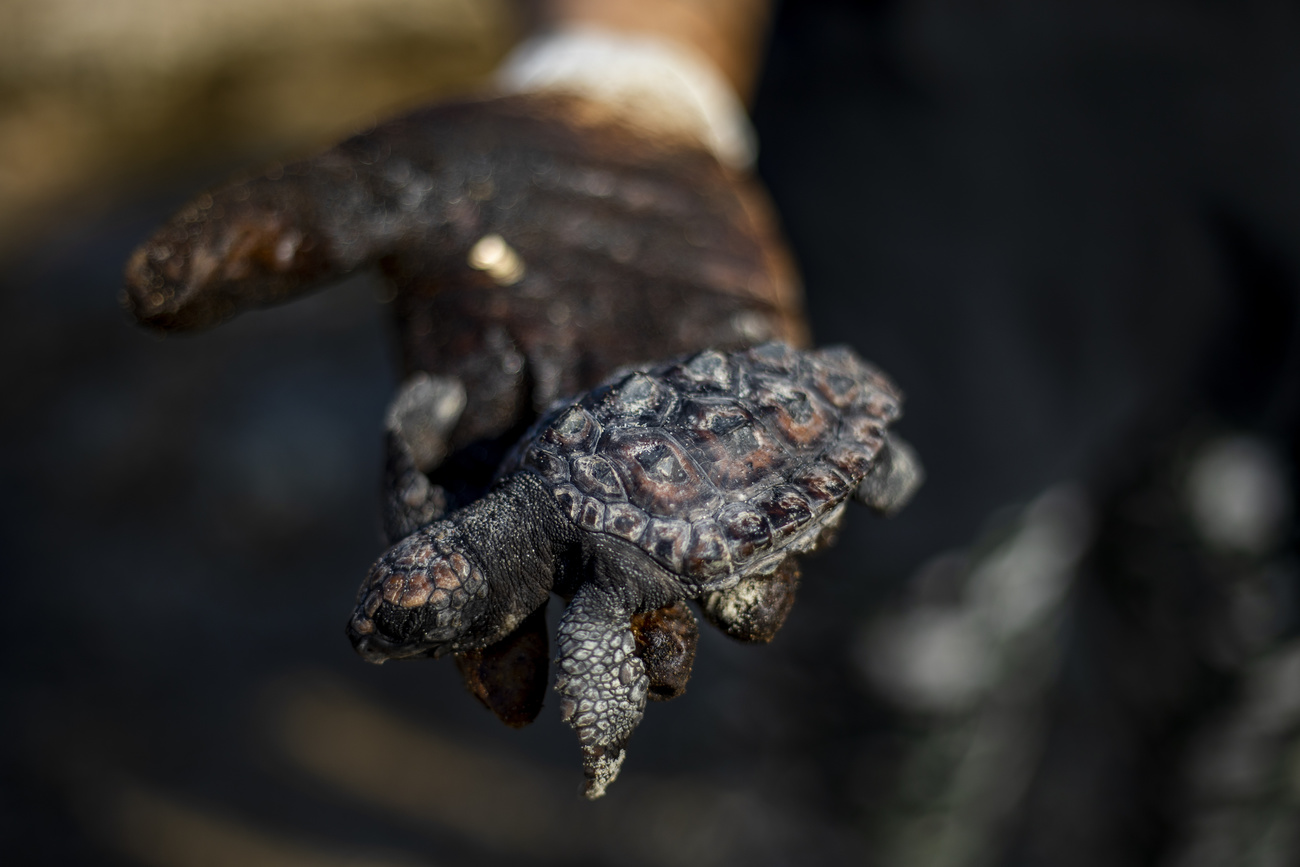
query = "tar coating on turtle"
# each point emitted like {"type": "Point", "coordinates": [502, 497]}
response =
{"type": "Point", "coordinates": [690, 480]}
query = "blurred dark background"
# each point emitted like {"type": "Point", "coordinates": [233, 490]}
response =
{"type": "Point", "coordinates": [1070, 230]}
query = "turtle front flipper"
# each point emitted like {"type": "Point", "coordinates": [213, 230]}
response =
{"type": "Point", "coordinates": [509, 677]}
{"type": "Point", "coordinates": [602, 684]}
{"type": "Point", "coordinates": [420, 420]}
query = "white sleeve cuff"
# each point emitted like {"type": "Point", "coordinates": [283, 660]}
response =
{"type": "Point", "coordinates": [655, 82]}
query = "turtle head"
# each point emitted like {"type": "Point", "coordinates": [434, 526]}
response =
{"type": "Point", "coordinates": [419, 599]}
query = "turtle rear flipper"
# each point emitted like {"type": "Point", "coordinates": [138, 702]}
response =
{"type": "Point", "coordinates": [509, 677]}
{"type": "Point", "coordinates": [893, 481]}
{"type": "Point", "coordinates": [756, 608]}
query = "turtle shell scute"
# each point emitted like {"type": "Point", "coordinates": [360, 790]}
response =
{"type": "Point", "coordinates": [549, 466]}
{"type": "Point", "coordinates": [822, 486]}
{"type": "Point", "coordinates": [711, 372]}
{"type": "Point", "coordinates": [865, 430]}
{"type": "Point", "coordinates": [572, 431]}
{"type": "Point", "coordinates": [798, 413]}
{"type": "Point", "coordinates": [837, 386]}
{"type": "Point", "coordinates": [851, 458]}
{"type": "Point", "coordinates": [637, 400]}
{"type": "Point", "coordinates": [658, 474]}
{"type": "Point", "coordinates": [625, 521]}
{"type": "Point", "coordinates": [569, 499]}
{"type": "Point", "coordinates": [591, 514]}
{"type": "Point", "coordinates": [707, 555]}
{"type": "Point", "coordinates": [775, 358]}
{"type": "Point", "coordinates": [732, 447]}
{"type": "Point", "coordinates": [595, 475]}
{"type": "Point", "coordinates": [666, 541]}
{"type": "Point", "coordinates": [745, 529]}
{"type": "Point", "coordinates": [787, 510]}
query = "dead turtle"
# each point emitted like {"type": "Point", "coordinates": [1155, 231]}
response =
{"type": "Point", "coordinates": [697, 479]}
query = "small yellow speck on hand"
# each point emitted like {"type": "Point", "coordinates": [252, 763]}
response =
{"type": "Point", "coordinates": [492, 254]}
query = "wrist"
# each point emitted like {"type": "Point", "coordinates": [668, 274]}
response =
{"type": "Point", "coordinates": [729, 33]}
{"type": "Point", "coordinates": [654, 82]}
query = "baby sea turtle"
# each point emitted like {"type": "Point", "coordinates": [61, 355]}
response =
{"type": "Point", "coordinates": [697, 479]}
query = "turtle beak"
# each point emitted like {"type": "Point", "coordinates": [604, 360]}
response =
{"type": "Point", "coordinates": [375, 647]}
{"type": "Point", "coordinates": [370, 653]}
{"type": "Point", "coordinates": [365, 641]}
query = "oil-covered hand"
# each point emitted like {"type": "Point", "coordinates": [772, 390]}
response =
{"type": "Point", "coordinates": [534, 244]}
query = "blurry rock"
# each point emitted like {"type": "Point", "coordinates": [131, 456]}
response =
{"type": "Point", "coordinates": [1238, 494]}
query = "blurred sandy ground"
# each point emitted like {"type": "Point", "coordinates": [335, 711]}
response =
{"type": "Point", "coordinates": [99, 95]}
